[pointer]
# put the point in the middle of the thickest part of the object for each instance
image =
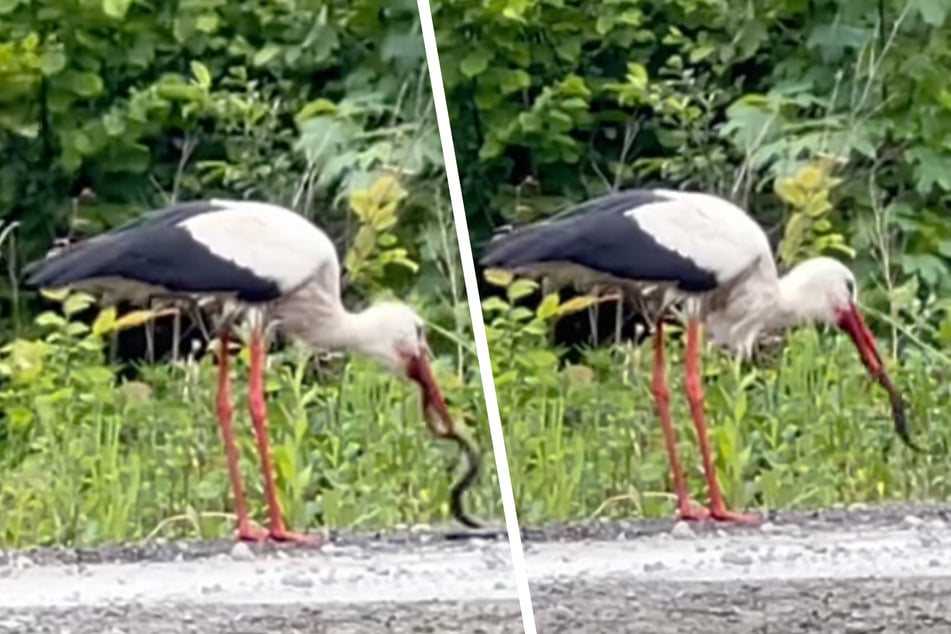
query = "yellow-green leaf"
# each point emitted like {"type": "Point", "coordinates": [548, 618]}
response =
{"type": "Point", "coordinates": [576, 304]}
{"type": "Point", "coordinates": [201, 73]}
{"type": "Point", "coordinates": [77, 302]}
{"type": "Point", "coordinates": [54, 294]}
{"type": "Point", "coordinates": [521, 288]}
{"type": "Point", "coordinates": [549, 306]}
{"type": "Point", "coordinates": [498, 277]}
{"type": "Point", "coordinates": [50, 319]}
{"type": "Point", "coordinates": [105, 321]}
{"type": "Point", "coordinates": [810, 177]}
{"type": "Point", "coordinates": [138, 317]}
{"type": "Point", "coordinates": [116, 8]}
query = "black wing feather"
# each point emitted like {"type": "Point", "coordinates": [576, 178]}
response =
{"type": "Point", "coordinates": [153, 249]}
{"type": "Point", "coordinates": [598, 236]}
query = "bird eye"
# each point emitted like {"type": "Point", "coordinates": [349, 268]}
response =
{"type": "Point", "coordinates": [850, 284]}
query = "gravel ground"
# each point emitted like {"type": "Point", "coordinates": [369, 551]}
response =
{"type": "Point", "coordinates": [850, 571]}
{"type": "Point", "coordinates": [854, 571]}
{"type": "Point", "coordinates": [410, 581]}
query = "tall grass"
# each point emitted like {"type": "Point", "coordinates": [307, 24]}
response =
{"type": "Point", "coordinates": [86, 461]}
{"type": "Point", "coordinates": [803, 429]}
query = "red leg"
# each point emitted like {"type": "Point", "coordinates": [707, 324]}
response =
{"type": "Point", "coordinates": [225, 414]}
{"type": "Point", "coordinates": [685, 509]}
{"type": "Point", "coordinates": [718, 510]}
{"type": "Point", "coordinates": [256, 401]}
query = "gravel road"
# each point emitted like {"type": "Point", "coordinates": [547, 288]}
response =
{"type": "Point", "coordinates": [855, 571]}
{"type": "Point", "coordinates": [852, 571]}
{"type": "Point", "coordinates": [412, 582]}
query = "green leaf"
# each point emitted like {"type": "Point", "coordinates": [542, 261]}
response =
{"type": "Point", "coordinates": [207, 22]}
{"type": "Point", "coordinates": [77, 302]}
{"type": "Point", "coordinates": [52, 61]}
{"type": "Point", "coordinates": [549, 306]}
{"type": "Point", "coordinates": [266, 54]}
{"type": "Point", "coordinates": [933, 12]}
{"type": "Point", "coordinates": [50, 319]}
{"type": "Point", "coordinates": [8, 6]}
{"type": "Point", "coordinates": [201, 73]}
{"type": "Point", "coordinates": [116, 8]}
{"type": "Point", "coordinates": [521, 288]}
{"type": "Point", "coordinates": [475, 62]}
{"type": "Point", "coordinates": [84, 84]}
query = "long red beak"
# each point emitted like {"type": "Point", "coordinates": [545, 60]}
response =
{"type": "Point", "coordinates": [850, 320]}
{"type": "Point", "coordinates": [434, 407]}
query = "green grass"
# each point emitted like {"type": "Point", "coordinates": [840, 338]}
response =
{"type": "Point", "coordinates": [803, 429]}
{"type": "Point", "coordinates": [85, 461]}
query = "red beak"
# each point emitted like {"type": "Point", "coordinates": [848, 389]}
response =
{"type": "Point", "coordinates": [434, 407]}
{"type": "Point", "coordinates": [850, 320]}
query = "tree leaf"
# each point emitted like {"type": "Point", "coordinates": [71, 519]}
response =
{"type": "Point", "coordinates": [116, 8]}
{"type": "Point", "coordinates": [576, 304]}
{"type": "Point", "coordinates": [498, 277]}
{"type": "Point", "coordinates": [266, 54]}
{"type": "Point", "coordinates": [105, 321]}
{"type": "Point", "coordinates": [933, 12]}
{"type": "Point", "coordinates": [52, 61]}
{"type": "Point", "coordinates": [201, 73]}
{"type": "Point", "coordinates": [521, 288]}
{"type": "Point", "coordinates": [475, 62]}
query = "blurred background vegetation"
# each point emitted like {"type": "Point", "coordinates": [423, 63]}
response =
{"type": "Point", "coordinates": [829, 119]}
{"type": "Point", "coordinates": [112, 107]}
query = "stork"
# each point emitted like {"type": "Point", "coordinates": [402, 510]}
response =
{"type": "Point", "coordinates": [273, 267]}
{"type": "Point", "coordinates": [663, 247]}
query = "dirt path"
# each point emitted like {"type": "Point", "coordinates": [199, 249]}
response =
{"type": "Point", "coordinates": [860, 571]}
{"type": "Point", "coordinates": [359, 584]}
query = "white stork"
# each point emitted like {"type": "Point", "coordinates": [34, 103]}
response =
{"type": "Point", "coordinates": [274, 267]}
{"type": "Point", "coordinates": [663, 247]}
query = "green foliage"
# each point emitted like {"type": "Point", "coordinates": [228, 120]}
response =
{"type": "Point", "coordinates": [804, 431]}
{"type": "Point", "coordinates": [321, 105]}
{"type": "Point", "coordinates": [86, 460]}
{"type": "Point", "coordinates": [554, 102]}
{"type": "Point", "coordinates": [828, 120]}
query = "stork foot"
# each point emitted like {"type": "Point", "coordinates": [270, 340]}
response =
{"type": "Point", "coordinates": [692, 513]}
{"type": "Point", "coordinates": [725, 515]}
{"type": "Point", "coordinates": [249, 534]}
{"type": "Point", "coordinates": [286, 536]}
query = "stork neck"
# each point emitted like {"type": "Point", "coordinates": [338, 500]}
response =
{"type": "Point", "coordinates": [792, 308]}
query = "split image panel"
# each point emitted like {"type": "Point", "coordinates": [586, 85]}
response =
{"type": "Point", "coordinates": [658, 196]}
{"type": "Point", "coordinates": [238, 383]}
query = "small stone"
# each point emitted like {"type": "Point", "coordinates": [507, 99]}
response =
{"type": "Point", "coordinates": [241, 552]}
{"type": "Point", "coordinates": [736, 559]}
{"type": "Point", "coordinates": [858, 507]}
{"type": "Point", "coordinates": [912, 521]}
{"type": "Point", "coordinates": [561, 612]}
{"type": "Point", "coordinates": [769, 527]}
{"type": "Point", "coordinates": [500, 585]}
{"type": "Point", "coordinates": [23, 562]}
{"type": "Point", "coordinates": [682, 530]}
{"type": "Point", "coordinates": [297, 580]}
{"type": "Point", "coordinates": [928, 540]}
{"type": "Point", "coordinates": [653, 566]}
{"type": "Point", "coordinates": [934, 563]}
{"type": "Point", "coordinates": [212, 589]}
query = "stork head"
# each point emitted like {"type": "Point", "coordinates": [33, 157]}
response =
{"type": "Point", "coordinates": [399, 342]}
{"type": "Point", "coordinates": [823, 290]}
